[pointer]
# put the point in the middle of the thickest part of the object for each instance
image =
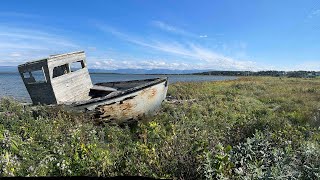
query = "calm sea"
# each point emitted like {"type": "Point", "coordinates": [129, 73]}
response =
{"type": "Point", "coordinates": [11, 84]}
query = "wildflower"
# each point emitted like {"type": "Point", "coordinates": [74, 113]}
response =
{"type": "Point", "coordinates": [6, 141]}
{"type": "Point", "coordinates": [31, 169]}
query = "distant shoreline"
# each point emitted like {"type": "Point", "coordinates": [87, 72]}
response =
{"type": "Point", "coordinates": [11, 72]}
{"type": "Point", "coordinates": [137, 73]}
{"type": "Point", "coordinates": [300, 74]}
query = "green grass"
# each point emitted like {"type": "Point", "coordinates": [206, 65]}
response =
{"type": "Point", "coordinates": [248, 128]}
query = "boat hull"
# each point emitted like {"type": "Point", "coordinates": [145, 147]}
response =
{"type": "Point", "coordinates": [130, 105]}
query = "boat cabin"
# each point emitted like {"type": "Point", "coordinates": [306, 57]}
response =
{"type": "Point", "coordinates": [64, 79]}
{"type": "Point", "coordinates": [57, 79]}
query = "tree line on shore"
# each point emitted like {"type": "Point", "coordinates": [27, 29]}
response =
{"type": "Point", "coordinates": [301, 74]}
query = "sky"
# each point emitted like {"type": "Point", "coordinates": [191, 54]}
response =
{"type": "Point", "coordinates": [165, 34]}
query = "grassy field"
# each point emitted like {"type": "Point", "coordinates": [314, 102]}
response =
{"type": "Point", "coordinates": [248, 128]}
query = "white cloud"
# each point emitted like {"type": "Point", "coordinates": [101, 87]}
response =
{"type": "Point", "coordinates": [197, 53]}
{"type": "Point", "coordinates": [314, 13]}
{"type": "Point", "coordinates": [167, 27]}
{"type": "Point", "coordinates": [203, 36]}
{"type": "Point", "coordinates": [173, 29]}
{"type": "Point", "coordinates": [112, 64]}
{"type": "Point", "coordinates": [25, 35]}
{"type": "Point", "coordinates": [15, 54]}
{"type": "Point", "coordinates": [170, 28]}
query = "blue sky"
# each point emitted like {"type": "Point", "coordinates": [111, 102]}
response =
{"type": "Point", "coordinates": [166, 34]}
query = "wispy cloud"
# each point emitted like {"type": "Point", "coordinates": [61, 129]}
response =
{"type": "Point", "coordinates": [156, 64]}
{"type": "Point", "coordinates": [25, 35]}
{"type": "Point", "coordinates": [210, 59]}
{"type": "Point", "coordinates": [314, 13]}
{"type": "Point", "coordinates": [172, 29]}
{"type": "Point", "coordinates": [19, 44]}
{"type": "Point", "coordinates": [176, 30]}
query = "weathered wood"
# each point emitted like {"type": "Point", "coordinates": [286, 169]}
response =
{"type": "Point", "coordinates": [72, 86]}
{"type": "Point", "coordinates": [103, 88]}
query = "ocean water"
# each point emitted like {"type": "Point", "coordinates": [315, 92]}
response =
{"type": "Point", "coordinates": [11, 84]}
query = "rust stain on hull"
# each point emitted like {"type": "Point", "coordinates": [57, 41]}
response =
{"type": "Point", "coordinates": [144, 102]}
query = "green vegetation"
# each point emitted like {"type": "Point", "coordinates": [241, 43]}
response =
{"type": "Point", "coordinates": [249, 128]}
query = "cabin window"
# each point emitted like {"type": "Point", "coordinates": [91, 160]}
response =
{"type": "Point", "coordinates": [36, 76]}
{"type": "Point", "coordinates": [26, 75]}
{"type": "Point", "coordinates": [76, 66]}
{"type": "Point", "coordinates": [60, 70]}
{"type": "Point", "coordinates": [39, 76]}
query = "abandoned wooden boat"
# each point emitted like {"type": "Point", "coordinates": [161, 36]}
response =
{"type": "Point", "coordinates": [64, 80]}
